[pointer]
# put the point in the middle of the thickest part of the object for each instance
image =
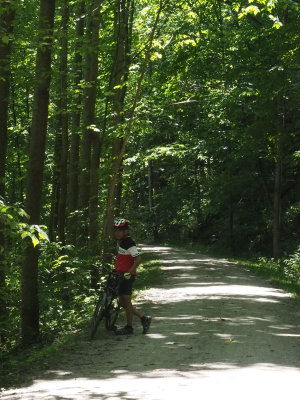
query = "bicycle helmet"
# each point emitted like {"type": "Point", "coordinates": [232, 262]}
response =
{"type": "Point", "coordinates": [120, 224]}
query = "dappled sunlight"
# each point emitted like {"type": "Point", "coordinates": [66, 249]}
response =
{"type": "Point", "coordinates": [177, 294]}
{"type": "Point", "coordinates": [217, 332]}
{"type": "Point", "coordinates": [282, 327]}
{"type": "Point", "coordinates": [179, 278]}
{"type": "Point", "coordinates": [292, 335]}
{"type": "Point", "coordinates": [176, 267]}
{"type": "Point", "coordinates": [156, 336]}
{"type": "Point", "coordinates": [214, 380]}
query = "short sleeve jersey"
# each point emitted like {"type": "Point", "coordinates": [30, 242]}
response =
{"type": "Point", "coordinates": [127, 251]}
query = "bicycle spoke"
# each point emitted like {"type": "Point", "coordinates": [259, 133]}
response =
{"type": "Point", "coordinates": [112, 314]}
{"type": "Point", "coordinates": [98, 314]}
{"type": "Point", "coordinates": [107, 306]}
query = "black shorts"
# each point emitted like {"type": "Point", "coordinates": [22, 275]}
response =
{"type": "Point", "coordinates": [125, 286]}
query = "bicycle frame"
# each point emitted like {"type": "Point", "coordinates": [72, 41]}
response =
{"type": "Point", "coordinates": [107, 306]}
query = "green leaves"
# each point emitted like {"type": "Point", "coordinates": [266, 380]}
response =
{"type": "Point", "coordinates": [277, 24]}
{"type": "Point", "coordinates": [14, 225]}
{"type": "Point", "coordinates": [36, 233]}
{"type": "Point", "coordinates": [211, 159]}
{"type": "Point", "coordinates": [254, 10]}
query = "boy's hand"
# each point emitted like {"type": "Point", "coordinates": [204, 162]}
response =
{"type": "Point", "coordinates": [127, 275]}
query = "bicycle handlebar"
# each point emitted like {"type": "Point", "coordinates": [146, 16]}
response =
{"type": "Point", "coordinates": [112, 272]}
{"type": "Point", "coordinates": [105, 268]}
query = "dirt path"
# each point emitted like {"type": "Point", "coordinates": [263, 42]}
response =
{"type": "Point", "coordinates": [218, 332]}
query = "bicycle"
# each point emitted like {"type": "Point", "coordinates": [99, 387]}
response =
{"type": "Point", "coordinates": [107, 306]}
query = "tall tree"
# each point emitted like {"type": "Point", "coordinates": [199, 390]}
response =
{"type": "Point", "coordinates": [63, 113]}
{"type": "Point", "coordinates": [118, 85]}
{"type": "Point", "coordinates": [107, 231]}
{"type": "Point", "coordinates": [278, 182]}
{"type": "Point", "coordinates": [123, 32]}
{"type": "Point", "coordinates": [30, 303]}
{"type": "Point", "coordinates": [61, 146]}
{"type": "Point", "coordinates": [89, 98]}
{"type": "Point", "coordinates": [94, 193]}
{"type": "Point", "coordinates": [76, 113]}
{"type": "Point", "coordinates": [6, 28]}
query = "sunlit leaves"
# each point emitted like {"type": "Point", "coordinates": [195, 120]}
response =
{"type": "Point", "coordinates": [249, 10]}
{"type": "Point", "coordinates": [155, 55]}
{"type": "Point", "coordinates": [15, 222]}
{"type": "Point", "coordinates": [265, 8]}
{"type": "Point", "coordinates": [233, 62]}
{"type": "Point", "coordinates": [277, 24]}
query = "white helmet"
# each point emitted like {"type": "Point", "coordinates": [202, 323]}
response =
{"type": "Point", "coordinates": [120, 224]}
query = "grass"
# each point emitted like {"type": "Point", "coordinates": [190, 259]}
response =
{"type": "Point", "coordinates": [149, 272]}
{"type": "Point", "coordinates": [273, 272]}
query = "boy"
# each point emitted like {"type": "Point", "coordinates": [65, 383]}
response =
{"type": "Point", "coordinates": [128, 259]}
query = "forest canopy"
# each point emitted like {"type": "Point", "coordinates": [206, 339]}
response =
{"type": "Point", "coordinates": [182, 116]}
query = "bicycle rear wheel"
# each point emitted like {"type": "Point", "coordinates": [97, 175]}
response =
{"type": "Point", "coordinates": [98, 315]}
{"type": "Point", "coordinates": [112, 315]}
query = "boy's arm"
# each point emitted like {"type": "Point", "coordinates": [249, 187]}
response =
{"type": "Point", "coordinates": [136, 263]}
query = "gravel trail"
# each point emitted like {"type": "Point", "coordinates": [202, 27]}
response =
{"type": "Point", "coordinates": [218, 332]}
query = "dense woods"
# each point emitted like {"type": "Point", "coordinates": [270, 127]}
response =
{"type": "Point", "coordinates": [182, 116]}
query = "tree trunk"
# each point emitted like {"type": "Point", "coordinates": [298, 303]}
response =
{"type": "Point", "coordinates": [110, 206]}
{"type": "Point", "coordinates": [277, 211]}
{"type": "Point", "coordinates": [6, 28]}
{"type": "Point", "coordinates": [75, 138]}
{"type": "Point", "coordinates": [231, 224]}
{"type": "Point", "coordinates": [152, 213]}
{"type": "Point", "coordinates": [118, 196]}
{"type": "Point", "coordinates": [64, 123]}
{"type": "Point", "coordinates": [119, 79]}
{"type": "Point", "coordinates": [55, 187]}
{"type": "Point", "coordinates": [89, 101]}
{"type": "Point", "coordinates": [277, 186]}
{"type": "Point", "coordinates": [30, 303]}
{"type": "Point", "coordinates": [17, 189]}
{"type": "Point", "coordinates": [119, 73]}
{"type": "Point", "coordinates": [118, 82]}
{"type": "Point", "coordinates": [93, 201]}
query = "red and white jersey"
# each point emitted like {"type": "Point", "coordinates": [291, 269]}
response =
{"type": "Point", "coordinates": [127, 251]}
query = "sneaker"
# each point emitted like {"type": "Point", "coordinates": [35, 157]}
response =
{"type": "Point", "coordinates": [127, 330]}
{"type": "Point", "coordinates": [146, 322]}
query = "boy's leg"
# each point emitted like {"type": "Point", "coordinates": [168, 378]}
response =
{"type": "Point", "coordinates": [125, 302]}
{"type": "Point", "coordinates": [130, 310]}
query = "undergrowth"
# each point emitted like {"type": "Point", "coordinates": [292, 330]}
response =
{"type": "Point", "coordinates": [66, 305]}
{"type": "Point", "coordinates": [284, 273]}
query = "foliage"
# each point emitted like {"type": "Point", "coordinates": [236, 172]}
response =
{"type": "Point", "coordinates": [220, 93]}
{"type": "Point", "coordinates": [13, 219]}
{"type": "Point", "coordinates": [149, 272]}
{"type": "Point", "coordinates": [292, 267]}
{"type": "Point", "coordinates": [223, 110]}
{"type": "Point", "coordinates": [285, 272]}
{"type": "Point", "coordinates": [65, 308]}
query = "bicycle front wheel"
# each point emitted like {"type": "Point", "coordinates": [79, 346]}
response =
{"type": "Point", "coordinates": [112, 315]}
{"type": "Point", "coordinates": [98, 315]}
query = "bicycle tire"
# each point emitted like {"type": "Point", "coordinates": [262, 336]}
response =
{"type": "Point", "coordinates": [98, 315]}
{"type": "Point", "coordinates": [112, 315]}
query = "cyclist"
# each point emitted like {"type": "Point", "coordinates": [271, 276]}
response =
{"type": "Point", "coordinates": [128, 259]}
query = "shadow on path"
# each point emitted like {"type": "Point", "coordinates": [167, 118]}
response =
{"type": "Point", "coordinates": [213, 324]}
